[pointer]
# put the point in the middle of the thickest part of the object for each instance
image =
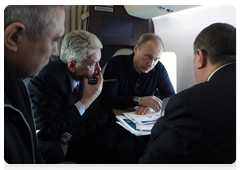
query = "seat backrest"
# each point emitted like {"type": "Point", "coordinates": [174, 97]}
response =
{"type": "Point", "coordinates": [122, 51]}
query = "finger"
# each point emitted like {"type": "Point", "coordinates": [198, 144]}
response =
{"type": "Point", "coordinates": [153, 104]}
{"type": "Point", "coordinates": [161, 102]}
{"type": "Point", "coordinates": [100, 78]}
{"type": "Point", "coordinates": [147, 110]}
{"type": "Point", "coordinates": [85, 80]}
{"type": "Point", "coordinates": [160, 106]}
{"type": "Point", "coordinates": [156, 99]}
{"type": "Point", "coordinates": [99, 74]}
{"type": "Point", "coordinates": [156, 107]}
{"type": "Point", "coordinates": [144, 110]}
{"type": "Point", "coordinates": [139, 110]}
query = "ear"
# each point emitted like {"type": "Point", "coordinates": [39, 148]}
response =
{"type": "Point", "coordinates": [13, 35]}
{"type": "Point", "coordinates": [71, 65]}
{"type": "Point", "coordinates": [201, 59]}
{"type": "Point", "coordinates": [135, 48]}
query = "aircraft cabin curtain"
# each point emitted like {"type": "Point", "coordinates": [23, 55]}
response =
{"type": "Point", "coordinates": [76, 18]}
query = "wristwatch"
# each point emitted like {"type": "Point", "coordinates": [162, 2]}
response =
{"type": "Point", "coordinates": [136, 100]}
{"type": "Point", "coordinates": [64, 140]}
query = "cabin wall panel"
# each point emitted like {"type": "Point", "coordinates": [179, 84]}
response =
{"type": "Point", "coordinates": [179, 30]}
{"type": "Point", "coordinates": [112, 44]}
{"type": "Point", "coordinates": [140, 26]}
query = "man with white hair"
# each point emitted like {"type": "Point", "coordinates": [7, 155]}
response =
{"type": "Point", "coordinates": [61, 119]}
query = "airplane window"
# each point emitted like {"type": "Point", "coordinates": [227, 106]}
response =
{"type": "Point", "coordinates": [169, 60]}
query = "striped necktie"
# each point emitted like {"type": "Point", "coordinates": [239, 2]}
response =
{"type": "Point", "coordinates": [74, 94]}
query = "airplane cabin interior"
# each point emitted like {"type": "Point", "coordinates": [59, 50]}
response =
{"type": "Point", "coordinates": [120, 26]}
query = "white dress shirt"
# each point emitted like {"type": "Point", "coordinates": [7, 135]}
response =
{"type": "Point", "coordinates": [217, 70]}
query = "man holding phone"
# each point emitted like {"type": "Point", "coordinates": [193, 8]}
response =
{"type": "Point", "coordinates": [61, 120]}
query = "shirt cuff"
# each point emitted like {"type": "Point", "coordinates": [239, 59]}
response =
{"type": "Point", "coordinates": [80, 107]}
{"type": "Point", "coordinates": [68, 134]}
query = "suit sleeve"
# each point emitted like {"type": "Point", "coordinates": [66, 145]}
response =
{"type": "Point", "coordinates": [176, 137]}
{"type": "Point", "coordinates": [52, 114]}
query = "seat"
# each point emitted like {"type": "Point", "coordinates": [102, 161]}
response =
{"type": "Point", "coordinates": [122, 51]}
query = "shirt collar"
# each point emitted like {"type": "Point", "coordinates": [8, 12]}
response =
{"type": "Point", "coordinates": [73, 82]}
{"type": "Point", "coordinates": [217, 70]}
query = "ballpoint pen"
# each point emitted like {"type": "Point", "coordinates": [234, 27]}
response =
{"type": "Point", "coordinates": [109, 80]}
{"type": "Point", "coordinates": [156, 93]}
{"type": "Point", "coordinates": [95, 81]}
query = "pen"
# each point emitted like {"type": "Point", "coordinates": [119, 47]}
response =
{"type": "Point", "coordinates": [95, 81]}
{"type": "Point", "coordinates": [109, 80]}
{"type": "Point", "coordinates": [156, 93]}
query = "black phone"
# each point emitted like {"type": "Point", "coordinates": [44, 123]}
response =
{"type": "Point", "coordinates": [92, 82]}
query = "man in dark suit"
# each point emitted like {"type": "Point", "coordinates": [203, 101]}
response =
{"type": "Point", "coordinates": [60, 119]}
{"type": "Point", "coordinates": [199, 123]}
{"type": "Point", "coordinates": [28, 45]}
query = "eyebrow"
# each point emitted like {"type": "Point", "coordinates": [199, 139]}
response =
{"type": "Point", "coordinates": [152, 56]}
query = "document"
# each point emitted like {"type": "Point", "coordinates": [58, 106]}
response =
{"type": "Point", "coordinates": [149, 118]}
{"type": "Point", "coordinates": [131, 126]}
{"type": "Point", "coordinates": [145, 127]}
{"type": "Point", "coordinates": [140, 125]}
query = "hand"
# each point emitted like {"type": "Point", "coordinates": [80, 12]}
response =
{"type": "Point", "coordinates": [151, 101]}
{"type": "Point", "coordinates": [91, 92]}
{"type": "Point", "coordinates": [64, 146]}
{"type": "Point", "coordinates": [142, 110]}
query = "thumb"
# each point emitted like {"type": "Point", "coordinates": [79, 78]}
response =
{"type": "Point", "coordinates": [85, 80]}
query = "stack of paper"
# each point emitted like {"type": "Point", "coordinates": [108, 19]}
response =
{"type": "Point", "coordinates": [141, 124]}
{"type": "Point", "coordinates": [138, 124]}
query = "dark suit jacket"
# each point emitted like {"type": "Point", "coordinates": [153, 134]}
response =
{"type": "Point", "coordinates": [199, 125]}
{"type": "Point", "coordinates": [20, 141]}
{"type": "Point", "coordinates": [50, 94]}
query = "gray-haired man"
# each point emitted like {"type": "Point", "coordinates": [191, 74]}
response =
{"type": "Point", "coordinates": [61, 120]}
{"type": "Point", "coordinates": [30, 38]}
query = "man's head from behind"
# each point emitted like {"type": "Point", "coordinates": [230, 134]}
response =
{"type": "Point", "coordinates": [30, 36]}
{"type": "Point", "coordinates": [214, 46]}
{"type": "Point", "coordinates": [81, 52]}
{"type": "Point", "coordinates": [147, 52]}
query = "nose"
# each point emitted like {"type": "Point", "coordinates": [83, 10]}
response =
{"type": "Point", "coordinates": [98, 67]}
{"type": "Point", "coordinates": [150, 63]}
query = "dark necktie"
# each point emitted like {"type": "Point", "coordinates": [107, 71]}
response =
{"type": "Point", "coordinates": [74, 94]}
